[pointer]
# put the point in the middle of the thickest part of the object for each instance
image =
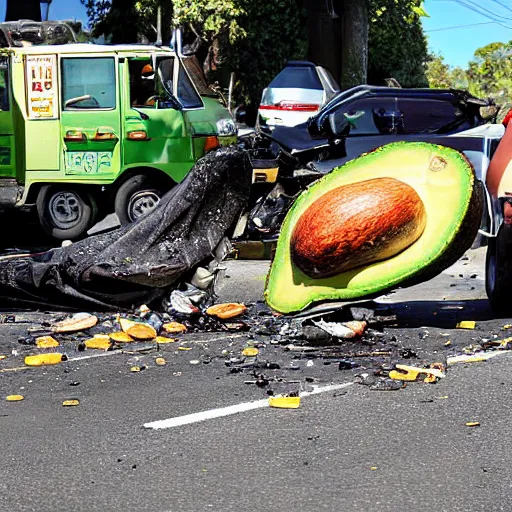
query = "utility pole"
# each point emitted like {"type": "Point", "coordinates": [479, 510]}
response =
{"type": "Point", "coordinates": [46, 9]}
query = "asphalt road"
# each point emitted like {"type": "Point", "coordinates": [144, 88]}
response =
{"type": "Point", "coordinates": [347, 449]}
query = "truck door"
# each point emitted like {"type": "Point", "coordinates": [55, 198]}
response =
{"type": "Point", "coordinates": [157, 136]}
{"type": "Point", "coordinates": [91, 126]}
{"type": "Point", "coordinates": [7, 146]}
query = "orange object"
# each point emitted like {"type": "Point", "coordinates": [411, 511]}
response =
{"type": "Point", "coordinates": [227, 310]}
{"type": "Point", "coordinates": [120, 337]}
{"type": "Point", "coordinates": [174, 328]}
{"type": "Point", "coordinates": [141, 331]}
{"type": "Point", "coordinates": [211, 142]}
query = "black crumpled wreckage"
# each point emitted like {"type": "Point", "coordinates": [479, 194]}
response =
{"type": "Point", "coordinates": [141, 262]}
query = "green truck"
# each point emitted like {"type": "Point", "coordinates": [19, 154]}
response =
{"type": "Point", "coordinates": [87, 130]}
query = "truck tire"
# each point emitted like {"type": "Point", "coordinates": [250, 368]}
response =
{"type": "Point", "coordinates": [136, 197]}
{"type": "Point", "coordinates": [65, 213]}
{"type": "Point", "coordinates": [498, 272]}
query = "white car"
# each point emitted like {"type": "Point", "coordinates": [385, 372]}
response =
{"type": "Point", "coordinates": [295, 94]}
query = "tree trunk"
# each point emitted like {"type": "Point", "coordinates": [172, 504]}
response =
{"type": "Point", "coordinates": [324, 35]}
{"type": "Point", "coordinates": [354, 47]}
{"type": "Point", "coordinates": [23, 10]}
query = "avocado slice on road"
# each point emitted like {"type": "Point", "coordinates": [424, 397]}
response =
{"type": "Point", "coordinates": [452, 200]}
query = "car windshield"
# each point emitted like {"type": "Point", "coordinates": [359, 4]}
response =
{"type": "Point", "coordinates": [297, 77]}
{"type": "Point", "coordinates": [391, 115]}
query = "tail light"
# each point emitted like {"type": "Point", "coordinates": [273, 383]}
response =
{"type": "Point", "coordinates": [292, 106]}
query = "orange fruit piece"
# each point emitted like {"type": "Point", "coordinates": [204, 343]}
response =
{"type": "Point", "coordinates": [174, 328]}
{"type": "Point", "coordinates": [141, 331]}
{"type": "Point", "coordinates": [227, 310]}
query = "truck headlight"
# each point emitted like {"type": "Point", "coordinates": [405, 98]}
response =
{"type": "Point", "coordinates": [226, 126]}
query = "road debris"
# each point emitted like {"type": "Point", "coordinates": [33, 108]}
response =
{"type": "Point", "coordinates": [14, 398]}
{"type": "Point", "coordinates": [174, 327]}
{"type": "Point", "coordinates": [466, 324]}
{"type": "Point", "coordinates": [121, 337]}
{"type": "Point", "coordinates": [99, 342]}
{"type": "Point", "coordinates": [284, 402]}
{"type": "Point", "coordinates": [250, 352]}
{"type": "Point", "coordinates": [141, 331]}
{"type": "Point", "coordinates": [45, 359]}
{"type": "Point", "coordinates": [75, 323]}
{"type": "Point", "coordinates": [345, 330]}
{"type": "Point", "coordinates": [472, 424]}
{"type": "Point", "coordinates": [72, 402]}
{"type": "Point", "coordinates": [226, 311]}
{"type": "Point", "coordinates": [162, 340]}
{"type": "Point", "coordinates": [46, 342]}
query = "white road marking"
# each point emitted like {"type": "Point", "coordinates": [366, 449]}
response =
{"type": "Point", "coordinates": [232, 409]}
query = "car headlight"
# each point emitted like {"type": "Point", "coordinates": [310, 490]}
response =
{"type": "Point", "coordinates": [226, 126]}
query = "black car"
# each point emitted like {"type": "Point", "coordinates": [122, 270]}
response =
{"type": "Point", "coordinates": [360, 120]}
{"type": "Point", "coordinates": [367, 117]}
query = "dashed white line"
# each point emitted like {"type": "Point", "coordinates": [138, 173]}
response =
{"type": "Point", "coordinates": [231, 409]}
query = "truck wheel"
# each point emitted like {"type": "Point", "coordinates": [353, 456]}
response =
{"type": "Point", "coordinates": [498, 272]}
{"type": "Point", "coordinates": [136, 197]}
{"type": "Point", "coordinates": [65, 213]}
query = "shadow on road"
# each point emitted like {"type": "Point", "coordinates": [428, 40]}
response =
{"type": "Point", "coordinates": [444, 314]}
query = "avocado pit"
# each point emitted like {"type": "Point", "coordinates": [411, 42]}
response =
{"type": "Point", "coordinates": [355, 225]}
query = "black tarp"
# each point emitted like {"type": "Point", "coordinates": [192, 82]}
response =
{"type": "Point", "coordinates": [141, 262]}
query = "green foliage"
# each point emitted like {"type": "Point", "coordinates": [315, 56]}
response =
{"type": "Point", "coordinates": [442, 76]}
{"type": "Point", "coordinates": [397, 46]}
{"type": "Point", "coordinates": [254, 38]}
{"type": "Point", "coordinates": [490, 73]}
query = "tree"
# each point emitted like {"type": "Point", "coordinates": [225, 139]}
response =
{"type": "Point", "coordinates": [338, 38]}
{"type": "Point", "coordinates": [442, 76]}
{"type": "Point", "coordinates": [23, 10]}
{"type": "Point", "coordinates": [253, 38]}
{"type": "Point", "coordinates": [490, 73]}
{"type": "Point", "coordinates": [115, 19]}
{"type": "Point", "coordinates": [397, 47]}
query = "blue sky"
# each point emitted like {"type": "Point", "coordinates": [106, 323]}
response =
{"type": "Point", "coordinates": [457, 45]}
{"type": "Point", "coordinates": [60, 9]}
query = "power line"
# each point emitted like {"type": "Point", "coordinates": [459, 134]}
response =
{"type": "Point", "coordinates": [482, 11]}
{"type": "Point", "coordinates": [492, 13]}
{"type": "Point", "coordinates": [502, 4]}
{"type": "Point", "coordinates": [461, 26]}
{"type": "Point", "coordinates": [498, 21]}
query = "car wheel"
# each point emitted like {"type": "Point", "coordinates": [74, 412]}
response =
{"type": "Point", "coordinates": [498, 272]}
{"type": "Point", "coordinates": [65, 213]}
{"type": "Point", "coordinates": [136, 197]}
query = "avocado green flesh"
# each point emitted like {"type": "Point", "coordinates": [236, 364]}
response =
{"type": "Point", "coordinates": [443, 179]}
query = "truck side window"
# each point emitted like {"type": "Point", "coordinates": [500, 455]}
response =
{"type": "Point", "coordinates": [142, 83]}
{"type": "Point", "coordinates": [4, 85]}
{"type": "Point", "coordinates": [88, 83]}
{"type": "Point", "coordinates": [186, 93]}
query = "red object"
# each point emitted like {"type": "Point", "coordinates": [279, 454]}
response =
{"type": "Point", "coordinates": [297, 107]}
{"type": "Point", "coordinates": [211, 142]}
{"type": "Point", "coordinates": [507, 118]}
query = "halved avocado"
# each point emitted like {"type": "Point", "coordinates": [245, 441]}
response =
{"type": "Point", "coordinates": [444, 181]}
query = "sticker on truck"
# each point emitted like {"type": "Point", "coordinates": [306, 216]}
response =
{"type": "Point", "coordinates": [87, 162]}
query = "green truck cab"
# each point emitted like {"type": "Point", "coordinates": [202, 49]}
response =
{"type": "Point", "coordinates": [86, 130]}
